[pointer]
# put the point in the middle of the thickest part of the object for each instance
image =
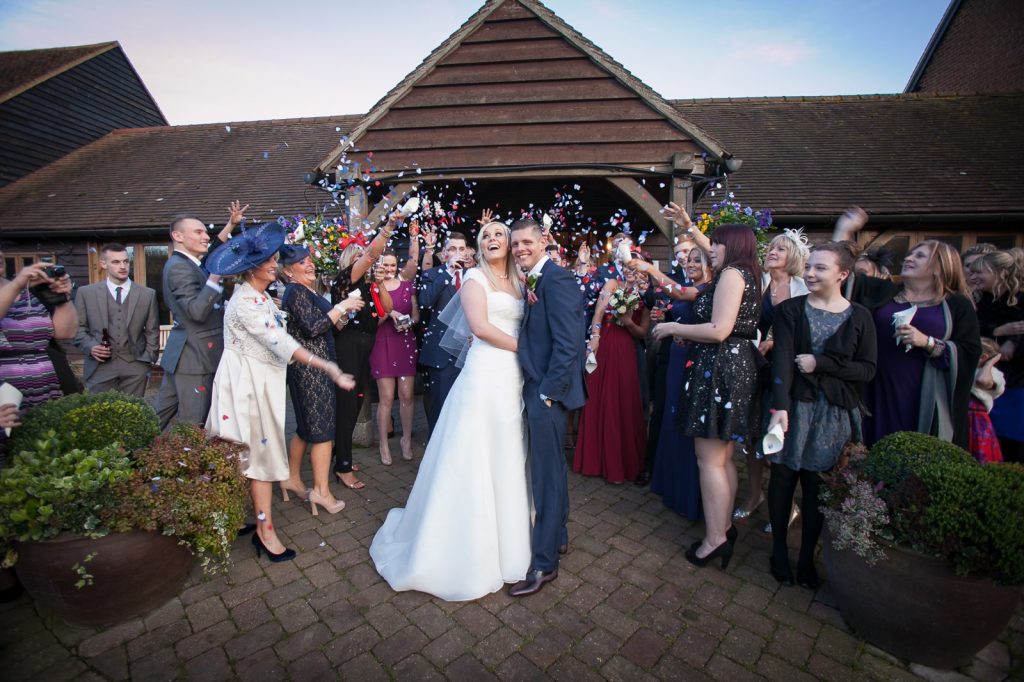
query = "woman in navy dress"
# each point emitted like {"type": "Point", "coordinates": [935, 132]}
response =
{"type": "Point", "coordinates": [676, 476]}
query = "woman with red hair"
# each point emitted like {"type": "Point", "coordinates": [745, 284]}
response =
{"type": "Point", "coordinates": [719, 403]}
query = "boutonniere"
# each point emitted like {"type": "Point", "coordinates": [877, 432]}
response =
{"type": "Point", "coordinates": [532, 280]}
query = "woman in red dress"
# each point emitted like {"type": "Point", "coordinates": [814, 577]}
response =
{"type": "Point", "coordinates": [612, 436]}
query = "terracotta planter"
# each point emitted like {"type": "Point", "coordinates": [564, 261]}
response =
{"type": "Point", "coordinates": [915, 607]}
{"type": "Point", "coordinates": [133, 573]}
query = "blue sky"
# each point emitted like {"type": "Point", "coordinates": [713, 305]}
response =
{"type": "Point", "coordinates": [206, 61]}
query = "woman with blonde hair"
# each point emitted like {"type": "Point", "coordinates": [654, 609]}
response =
{"type": "Point", "coordinates": [928, 349]}
{"type": "Point", "coordinates": [998, 281]}
{"type": "Point", "coordinates": [465, 529]}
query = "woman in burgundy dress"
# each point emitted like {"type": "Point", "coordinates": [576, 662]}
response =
{"type": "Point", "coordinates": [925, 365]}
{"type": "Point", "coordinates": [394, 355]}
{"type": "Point", "coordinates": [612, 436]}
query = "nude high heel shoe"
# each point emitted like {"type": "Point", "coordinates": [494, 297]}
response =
{"type": "Point", "coordinates": [316, 498]}
{"type": "Point", "coordinates": [303, 493]}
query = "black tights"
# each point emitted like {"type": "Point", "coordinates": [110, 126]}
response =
{"type": "Point", "coordinates": [781, 488]}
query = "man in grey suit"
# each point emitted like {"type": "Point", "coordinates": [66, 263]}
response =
{"type": "Point", "coordinates": [118, 327]}
{"type": "Point", "coordinates": [195, 344]}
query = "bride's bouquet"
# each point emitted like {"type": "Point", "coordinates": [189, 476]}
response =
{"type": "Point", "coordinates": [622, 302]}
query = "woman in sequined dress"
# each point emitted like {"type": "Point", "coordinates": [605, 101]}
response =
{"type": "Point", "coordinates": [720, 405]}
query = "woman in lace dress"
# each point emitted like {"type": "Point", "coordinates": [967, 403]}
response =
{"type": "Point", "coordinates": [465, 529]}
{"type": "Point", "coordinates": [248, 401]}
{"type": "Point", "coordinates": [311, 321]}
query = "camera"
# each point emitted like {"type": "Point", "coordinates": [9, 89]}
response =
{"type": "Point", "coordinates": [55, 271]}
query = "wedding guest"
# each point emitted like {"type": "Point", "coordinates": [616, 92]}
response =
{"type": "Point", "coordinates": [353, 341]}
{"type": "Point", "coordinates": [658, 298]}
{"type": "Point", "coordinates": [248, 399]}
{"type": "Point", "coordinates": [554, 252]}
{"type": "Point", "coordinates": [989, 384]}
{"type": "Point", "coordinates": [675, 474]}
{"type": "Point", "coordinates": [118, 327]}
{"type": "Point", "coordinates": [394, 356]}
{"type": "Point", "coordinates": [783, 264]}
{"type": "Point", "coordinates": [720, 401]}
{"type": "Point", "coordinates": [612, 438]}
{"type": "Point", "coordinates": [436, 289]}
{"type": "Point", "coordinates": [824, 355]}
{"type": "Point", "coordinates": [998, 281]}
{"type": "Point", "coordinates": [311, 322]}
{"type": "Point", "coordinates": [875, 263]}
{"type": "Point", "coordinates": [925, 366]}
{"type": "Point", "coordinates": [26, 328]}
{"type": "Point", "coordinates": [195, 343]}
{"type": "Point", "coordinates": [971, 254]}
{"type": "Point", "coordinates": [612, 268]}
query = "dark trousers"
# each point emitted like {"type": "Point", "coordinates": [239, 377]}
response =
{"type": "Point", "coordinates": [781, 488]}
{"type": "Point", "coordinates": [548, 478]}
{"type": "Point", "coordinates": [441, 382]}
{"type": "Point", "coordinates": [353, 350]}
{"type": "Point", "coordinates": [659, 389]}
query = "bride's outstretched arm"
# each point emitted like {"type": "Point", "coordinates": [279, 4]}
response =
{"type": "Point", "coordinates": [474, 304]}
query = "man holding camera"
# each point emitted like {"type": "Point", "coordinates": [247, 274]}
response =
{"type": "Point", "coordinates": [118, 328]}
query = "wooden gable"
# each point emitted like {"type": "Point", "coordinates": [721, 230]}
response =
{"type": "Point", "coordinates": [517, 87]}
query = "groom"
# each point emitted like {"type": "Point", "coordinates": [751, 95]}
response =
{"type": "Point", "coordinates": [551, 352]}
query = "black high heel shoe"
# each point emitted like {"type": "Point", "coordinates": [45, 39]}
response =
{"type": "Point", "coordinates": [781, 571]}
{"type": "Point", "coordinates": [807, 577]}
{"type": "Point", "coordinates": [286, 555]}
{"type": "Point", "coordinates": [730, 536]}
{"type": "Point", "coordinates": [724, 550]}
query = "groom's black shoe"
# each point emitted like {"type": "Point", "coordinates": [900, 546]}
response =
{"type": "Point", "coordinates": [534, 581]}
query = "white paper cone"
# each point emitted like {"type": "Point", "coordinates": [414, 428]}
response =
{"type": "Point", "coordinates": [773, 440]}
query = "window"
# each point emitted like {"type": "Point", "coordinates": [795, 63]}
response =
{"type": "Point", "coordinates": [13, 262]}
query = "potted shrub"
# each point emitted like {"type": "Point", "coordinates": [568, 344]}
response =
{"type": "Point", "coordinates": [99, 517]}
{"type": "Point", "coordinates": [924, 548]}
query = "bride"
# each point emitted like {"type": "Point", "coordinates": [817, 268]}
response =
{"type": "Point", "coordinates": [465, 529]}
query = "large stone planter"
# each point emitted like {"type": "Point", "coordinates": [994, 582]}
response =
{"type": "Point", "coordinates": [915, 607]}
{"type": "Point", "coordinates": [133, 573]}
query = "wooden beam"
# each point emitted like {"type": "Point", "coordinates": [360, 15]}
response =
{"type": "Point", "coordinates": [642, 198]}
{"type": "Point", "coordinates": [388, 203]}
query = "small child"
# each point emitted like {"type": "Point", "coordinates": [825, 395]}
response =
{"type": "Point", "coordinates": [989, 384]}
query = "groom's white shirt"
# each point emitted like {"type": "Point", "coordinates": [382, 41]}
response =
{"type": "Point", "coordinates": [535, 270]}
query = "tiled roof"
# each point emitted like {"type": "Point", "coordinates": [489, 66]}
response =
{"type": "Point", "coordinates": [891, 154]}
{"type": "Point", "coordinates": [23, 69]}
{"type": "Point", "coordinates": [139, 177]}
{"type": "Point", "coordinates": [977, 47]}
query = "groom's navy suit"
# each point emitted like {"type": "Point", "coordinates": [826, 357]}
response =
{"type": "Point", "coordinates": [551, 353]}
{"type": "Point", "coordinates": [436, 290]}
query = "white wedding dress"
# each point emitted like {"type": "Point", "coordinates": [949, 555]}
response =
{"type": "Point", "coordinates": [465, 529]}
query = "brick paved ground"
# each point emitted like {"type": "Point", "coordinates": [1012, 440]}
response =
{"type": "Point", "coordinates": [626, 606]}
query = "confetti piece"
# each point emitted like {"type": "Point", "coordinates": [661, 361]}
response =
{"type": "Point", "coordinates": [261, 516]}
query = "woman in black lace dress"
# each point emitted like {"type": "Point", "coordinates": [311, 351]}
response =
{"type": "Point", "coordinates": [719, 402]}
{"type": "Point", "coordinates": [311, 321]}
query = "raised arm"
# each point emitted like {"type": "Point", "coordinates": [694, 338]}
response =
{"type": "Point", "coordinates": [236, 213]}
{"type": "Point", "coordinates": [412, 264]}
{"type": "Point", "coordinates": [678, 215]}
{"type": "Point", "coordinates": [377, 246]}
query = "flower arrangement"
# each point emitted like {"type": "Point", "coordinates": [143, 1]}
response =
{"type": "Point", "coordinates": [623, 301]}
{"type": "Point", "coordinates": [920, 492]}
{"type": "Point", "coordinates": [731, 212]}
{"type": "Point", "coordinates": [325, 238]}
